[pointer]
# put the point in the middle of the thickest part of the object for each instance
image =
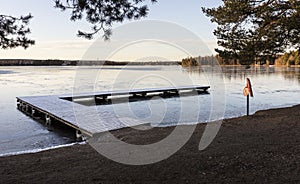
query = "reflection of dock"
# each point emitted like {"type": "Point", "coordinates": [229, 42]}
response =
{"type": "Point", "coordinates": [86, 120]}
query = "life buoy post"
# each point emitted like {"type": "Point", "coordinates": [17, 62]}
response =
{"type": "Point", "coordinates": [248, 93]}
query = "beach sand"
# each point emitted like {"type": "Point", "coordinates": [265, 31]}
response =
{"type": "Point", "coordinates": [261, 148]}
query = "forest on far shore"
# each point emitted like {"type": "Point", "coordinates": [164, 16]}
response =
{"type": "Point", "coordinates": [286, 59]}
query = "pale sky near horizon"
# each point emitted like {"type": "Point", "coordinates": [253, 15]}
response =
{"type": "Point", "coordinates": [55, 34]}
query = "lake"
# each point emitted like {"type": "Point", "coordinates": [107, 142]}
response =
{"type": "Point", "coordinates": [273, 87]}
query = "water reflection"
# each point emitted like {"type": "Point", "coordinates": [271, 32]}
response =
{"type": "Point", "coordinates": [240, 72]}
{"type": "Point", "coordinates": [291, 74]}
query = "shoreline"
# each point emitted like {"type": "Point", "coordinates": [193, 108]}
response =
{"type": "Point", "coordinates": [38, 150]}
{"type": "Point", "coordinates": [260, 148]}
{"type": "Point", "coordinates": [58, 62]}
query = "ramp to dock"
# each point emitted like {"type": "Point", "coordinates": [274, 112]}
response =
{"type": "Point", "coordinates": [62, 108]}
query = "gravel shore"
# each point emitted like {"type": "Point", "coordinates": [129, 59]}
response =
{"type": "Point", "coordinates": [261, 148]}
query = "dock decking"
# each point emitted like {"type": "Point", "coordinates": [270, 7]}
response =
{"type": "Point", "coordinates": [85, 119]}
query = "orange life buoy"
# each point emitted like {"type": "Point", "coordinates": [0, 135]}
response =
{"type": "Point", "coordinates": [248, 88]}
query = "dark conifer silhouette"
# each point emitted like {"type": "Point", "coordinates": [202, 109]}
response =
{"type": "Point", "coordinates": [256, 30]}
{"type": "Point", "coordinates": [14, 31]}
{"type": "Point", "coordinates": [101, 14]}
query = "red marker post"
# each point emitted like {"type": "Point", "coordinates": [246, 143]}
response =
{"type": "Point", "coordinates": [248, 92]}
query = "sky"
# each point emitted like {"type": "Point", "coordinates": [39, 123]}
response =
{"type": "Point", "coordinates": [55, 34]}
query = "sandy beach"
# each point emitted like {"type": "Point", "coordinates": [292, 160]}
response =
{"type": "Point", "coordinates": [261, 148]}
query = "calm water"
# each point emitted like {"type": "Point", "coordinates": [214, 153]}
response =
{"type": "Point", "coordinates": [273, 87]}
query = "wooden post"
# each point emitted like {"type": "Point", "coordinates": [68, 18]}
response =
{"type": "Point", "coordinates": [247, 105]}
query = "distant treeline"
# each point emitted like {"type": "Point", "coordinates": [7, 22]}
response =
{"type": "Point", "coordinates": [190, 61]}
{"type": "Point", "coordinates": [198, 61]}
{"type": "Point", "coordinates": [30, 62]}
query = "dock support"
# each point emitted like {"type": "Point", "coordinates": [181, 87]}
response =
{"type": "Point", "coordinates": [48, 120]}
{"type": "Point", "coordinates": [79, 136]}
{"type": "Point", "coordinates": [166, 93]}
{"type": "Point", "coordinates": [103, 98]}
{"type": "Point", "coordinates": [22, 106]}
{"type": "Point", "coordinates": [18, 104]}
{"type": "Point", "coordinates": [139, 95]}
{"type": "Point", "coordinates": [170, 93]}
{"type": "Point", "coordinates": [32, 112]}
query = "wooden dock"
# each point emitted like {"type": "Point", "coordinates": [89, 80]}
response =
{"type": "Point", "coordinates": [85, 119]}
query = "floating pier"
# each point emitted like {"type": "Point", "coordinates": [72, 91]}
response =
{"type": "Point", "coordinates": [84, 119]}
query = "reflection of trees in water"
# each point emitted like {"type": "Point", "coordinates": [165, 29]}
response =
{"type": "Point", "coordinates": [231, 72]}
{"type": "Point", "coordinates": [240, 72]}
{"type": "Point", "coordinates": [192, 70]}
{"type": "Point", "coordinates": [291, 73]}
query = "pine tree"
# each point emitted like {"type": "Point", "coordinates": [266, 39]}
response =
{"type": "Point", "coordinates": [256, 30]}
